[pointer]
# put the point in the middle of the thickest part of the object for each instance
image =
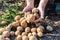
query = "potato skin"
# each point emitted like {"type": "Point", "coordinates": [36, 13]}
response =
{"type": "Point", "coordinates": [35, 10]}
{"type": "Point", "coordinates": [33, 30]}
{"type": "Point", "coordinates": [15, 24]}
{"type": "Point", "coordinates": [24, 34]}
{"type": "Point", "coordinates": [21, 19]}
{"type": "Point", "coordinates": [36, 15]}
{"type": "Point", "coordinates": [3, 22]}
{"type": "Point", "coordinates": [39, 29]}
{"type": "Point", "coordinates": [25, 38]}
{"type": "Point", "coordinates": [19, 28]}
{"type": "Point", "coordinates": [1, 37]}
{"type": "Point", "coordinates": [6, 33]}
{"type": "Point", "coordinates": [2, 29]}
{"type": "Point", "coordinates": [17, 33]}
{"type": "Point", "coordinates": [34, 33]}
{"type": "Point", "coordinates": [30, 18]}
{"type": "Point", "coordinates": [12, 33]}
{"type": "Point", "coordinates": [26, 14]}
{"type": "Point", "coordinates": [27, 29]}
{"type": "Point", "coordinates": [19, 37]}
{"type": "Point", "coordinates": [49, 28]}
{"type": "Point", "coordinates": [30, 34]}
{"type": "Point", "coordinates": [17, 18]}
{"type": "Point", "coordinates": [57, 23]}
{"type": "Point", "coordinates": [24, 23]}
{"type": "Point", "coordinates": [37, 24]}
{"type": "Point", "coordinates": [40, 34]}
{"type": "Point", "coordinates": [7, 39]}
{"type": "Point", "coordinates": [8, 28]}
{"type": "Point", "coordinates": [33, 38]}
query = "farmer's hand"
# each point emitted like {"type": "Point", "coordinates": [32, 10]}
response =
{"type": "Point", "coordinates": [27, 8]}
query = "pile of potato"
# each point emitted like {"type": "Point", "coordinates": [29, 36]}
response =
{"type": "Point", "coordinates": [23, 31]}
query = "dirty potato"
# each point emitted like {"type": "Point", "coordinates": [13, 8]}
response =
{"type": "Point", "coordinates": [4, 22]}
{"type": "Point", "coordinates": [2, 29]}
{"type": "Point", "coordinates": [17, 33]}
{"type": "Point", "coordinates": [12, 33]}
{"type": "Point", "coordinates": [1, 37]}
{"type": "Point", "coordinates": [27, 29]}
{"type": "Point", "coordinates": [34, 33]}
{"type": "Point", "coordinates": [15, 24]}
{"type": "Point", "coordinates": [25, 38]}
{"type": "Point", "coordinates": [39, 29]}
{"type": "Point", "coordinates": [30, 34]}
{"type": "Point", "coordinates": [30, 18]}
{"type": "Point", "coordinates": [6, 33]}
{"type": "Point", "coordinates": [24, 33]}
{"type": "Point", "coordinates": [35, 10]}
{"type": "Point", "coordinates": [19, 37]}
{"type": "Point", "coordinates": [17, 18]}
{"type": "Point", "coordinates": [24, 23]}
{"type": "Point", "coordinates": [40, 34]}
{"type": "Point", "coordinates": [33, 38]}
{"type": "Point", "coordinates": [19, 28]}
{"type": "Point", "coordinates": [33, 30]}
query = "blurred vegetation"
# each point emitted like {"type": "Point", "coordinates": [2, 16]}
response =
{"type": "Point", "coordinates": [13, 8]}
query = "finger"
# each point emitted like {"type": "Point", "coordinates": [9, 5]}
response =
{"type": "Point", "coordinates": [36, 21]}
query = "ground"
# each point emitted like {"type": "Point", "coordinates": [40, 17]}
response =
{"type": "Point", "coordinates": [55, 31]}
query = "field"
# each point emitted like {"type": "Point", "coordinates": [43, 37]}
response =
{"type": "Point", "coordinates": [9, 10]}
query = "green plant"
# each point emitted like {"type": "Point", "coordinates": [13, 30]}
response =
{"type": "Point", "coordinates": [12, 9]}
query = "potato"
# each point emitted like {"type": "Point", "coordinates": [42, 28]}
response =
{"type": "Point", "coordinates": [1, 37]}
{"type": "Point", "coordinates": [30, 34]}
{"type": "Point", "coordinates": [49, 28]}
{"type": "Point", "coordinates": [33, 38]}
{"type": "Point", "coordinates": [10, 25]}
{"type": "Point", "coordinates": [17, 18]}
{"type": "Point", "coordinates": [3, 22]}
{"type": "Point", "coordinates": [24, 23]}
{"type": "Point", "coordinates": [33, 30]}
{"type": "Point", "coordinates": [34, 33]}
{"type": "Point", "coordinates": [25, 38]}
{"type": "Point", "coordinates": [35, 10]}
{"type": "Point", "coordinates": [12, 33]}
{"type": "Point", "coordinates": [19, 28]}
{"type": "Point", "coordinates": [37, 24]}
{"type": "Point", "coordinates": [17, 33]}
{"type": "Point", "coordinates": [57, 23]}
{"type": "Point", "coordinates": [36, 15]}
{"type": "Point", "coordinates": [27, 29]}
{"type": "Point", "coordinates": [8, 28]}
{"type": "Point", "coordinates": [40, 34]}
{"type": "Point", "coordinates": [24, 33]}
{"type": "Point", "coordinates": [30, 18]}
{"type": "Point", "coordinates": [39, 29]}
{"type": "Point", "coordinates": [19, 37]}
{"type": "Point", "coordinates": [7, 39]}
{"type": "Point", "coordinates": [2, 29]}
{"type": "Point", "coordinates": [15, 24]}
{"type": "Point", "coordinates": [6, 33]}
{"type": "Point", "coordinates": [27, 13]}
{"type": "Point", "coordinates": [47, 20]}
{"type": "Point", "coordinates": [21, 19]}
